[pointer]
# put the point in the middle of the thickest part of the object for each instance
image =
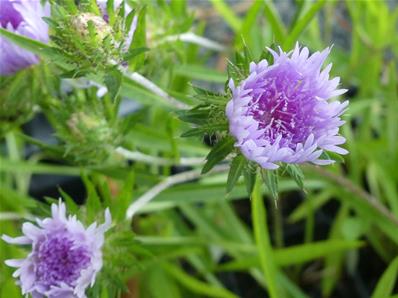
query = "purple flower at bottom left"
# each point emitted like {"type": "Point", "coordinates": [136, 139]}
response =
{"type": "Point", "coordinates": [65, 257]}
{"type": "Point", "coordinates": [23, 18]}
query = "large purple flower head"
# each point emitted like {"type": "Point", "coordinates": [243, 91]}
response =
{"type": "Point", "coordinates": [65, 256]}
{"type": "Point", "coordinates": [283, 113]}
{"type": "Point", "coordinates": [22, 17]}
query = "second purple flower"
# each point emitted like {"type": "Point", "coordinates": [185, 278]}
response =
{"type": "Point", "coordinates": [65, 256]}
{"type": "Point", "coordinates": [283, 113]}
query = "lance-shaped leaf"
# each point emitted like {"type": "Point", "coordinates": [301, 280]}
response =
{"type": "Point", "coordinates": [218, 153]}
{"type": "Point", "coordinates": [270, 179]}
{"type": "Point", "coordinates": [296, 173]}
{"type": "Point", "coordinates": [237, 166]}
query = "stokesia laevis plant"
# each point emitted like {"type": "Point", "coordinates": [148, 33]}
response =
{"type": "Point", "coordinates": [24, 18]}
{"type": "Point", "coordinates": [283, 112]}
{"type": "Point", "coordinates": [65, 256]}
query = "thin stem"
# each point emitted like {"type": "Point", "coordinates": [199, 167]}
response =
{"type": "Point", "coordinates": [309, 222]}
{"type": "Point", "coordinates": [14, 155]}
{"type": "Point", "coordinates": [191, 37]}
{"type": "Point", "coordinates": [356, 190]}
{"type": "Point", "coordinates": [263, 243]}
{"type": "Point", "coordinates": [146, 83]}
{"type": "Point", "coordinates": [278, 224]}
{"type": "Point", "coordinates": [158, 161]}
{"type": "Point", "coordinates": [166, 183]}
{"type": "Point", "coordinates": [14, 216]}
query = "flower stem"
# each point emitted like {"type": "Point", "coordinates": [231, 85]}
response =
{"type": "Point", "coordinates": [166, 183]}
{"type": "Point", "coordinates": [259, 217]}
{"type": "Point", "coordinates": [158, 161]}
{"type": "Point", "coordinates": [277, 223]}
{"type": "Point", "coordinates": [191, 37]}
{"type": "Point", "coordinates": [14, 216]}
{"type": "Point", "coordinates": [146, 83]}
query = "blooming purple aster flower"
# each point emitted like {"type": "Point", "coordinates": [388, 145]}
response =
{"type": "Point", "coordinates": [65, 256]}
{"type": "Point", "coordinates": [283, 113]}
{"type": "Point", "coordinates": [24, 18]}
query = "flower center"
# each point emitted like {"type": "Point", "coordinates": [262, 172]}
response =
{"type": "Point", "coordinates": [279, 104]}
{"type": "Point", "coordinates": [60, 260]}
{"type": "Point", "coordinates": [8, 14]}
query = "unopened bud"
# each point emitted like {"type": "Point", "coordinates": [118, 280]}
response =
{"type": "Point", "coordinates": [81, 21]}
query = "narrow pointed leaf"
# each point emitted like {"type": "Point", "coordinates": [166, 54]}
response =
{"type": "Point", "coordinates": [271, 180]}
{"type": "Point", "coordinates": [237, 166]}
{"type": "Point", "coordinates": [218, 153]}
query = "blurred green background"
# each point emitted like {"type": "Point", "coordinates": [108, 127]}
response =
{"type": "Point", "coordinates": [337, 239]}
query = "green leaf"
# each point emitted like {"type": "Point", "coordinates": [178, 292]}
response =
{"type": "Point", "coordinates": [299, 254]}
{"type": "Point", "coordinates": [38, 48]}
{"type": "Point", "coordinates": [195, 285]}
{"type": "Point", "coordinates": [386, 283]}
{"type": "Point", "coordinates": [210, 128]}
{"type": "Point", "coordinates": [237, 166]}
{"type": "Point", "coordinates": [302, 23]}
{"type": "Point", "coordinates": [70, 203]}
{"type": "Point", "coordinates": [250, 18]}
{"type": "Point", "coordinates": [218, 153]}
{"type": "Point", "coordinates": [332, 156]}
{"type": "Point", "coordinates": [93, 201]}
{"type": "Point", "coordinates": [110, 12]}
{"type": "Point", "coordinates": [228, 14]}
{"type": "Point", "coordinates": [392, 124]}
{"type": "Point", "coordinates": [263, 243]}
{"type": "Point", "coordinates": [113, 81]}
{"type": "Point", "coordinates": [235, 72]}
{"type": "Point", "coordinates": [276, 24]}
{"type": "Point", "coordinates": [29, 44]}
{"type": "Point", "coordinates": [209, 97]}
{"type": "Point", "coordinates": [250, 178]}
{"type": "Point", "coordinates": [135, 52]}
{"type": "Point", "coordinates": [270, 178]}
{"type": "Point", "coordinates": [198, 115]}
{"type": "Point", "coordinates": [296, 173]}
{"type": "Point", "coordinates": [296, 255]}
{"type": "Point", "coordinates": [138, 44]}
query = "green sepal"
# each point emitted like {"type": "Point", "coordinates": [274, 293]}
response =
{"type": "Point", "coordinates": [237, 166]}
{"type": "Point", "coordinates": [218, 153]}
{"type": "Point", "coordinates": [296, 173]}
{"type": "Point", "coordinates": [270, 178]}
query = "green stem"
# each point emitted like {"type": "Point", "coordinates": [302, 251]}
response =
{"type": "Point", "coordinates": [277, 224]}
{"type": "Point", "coordinates": [310, 222]}
{"type": "Point", "coordinates": [259, 217]}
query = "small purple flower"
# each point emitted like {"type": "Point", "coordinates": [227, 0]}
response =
{"type": "Point", "coordinates": [24, 18]}
{"type": "Point", "coordinates": [65, 256]}
{"type": "Point", "coordinates": [282, 112]}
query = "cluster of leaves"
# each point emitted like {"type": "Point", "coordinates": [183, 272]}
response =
{"type": "Point", "coordinates": [18, 97]}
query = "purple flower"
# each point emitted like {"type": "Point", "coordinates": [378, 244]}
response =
{"type": "Point", "coordinates": [65, 256]}
{"type": "Point", "coordinates": [24, 18]}
{"type": "Point", "coordinates": [283, 113]}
